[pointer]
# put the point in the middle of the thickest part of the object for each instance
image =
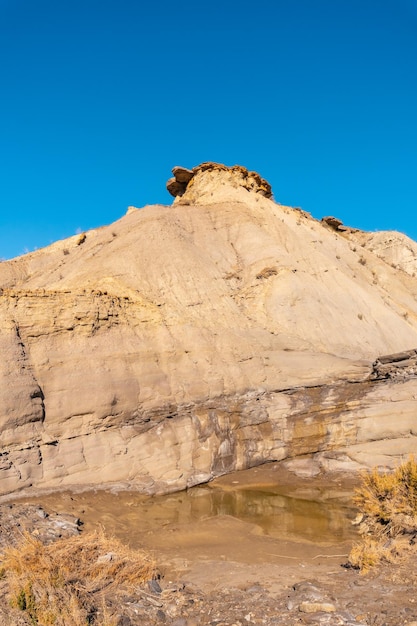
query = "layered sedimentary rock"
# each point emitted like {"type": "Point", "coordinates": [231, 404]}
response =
{"type": "Point", "coordinates": [209, 180]}
{"type": "Point", "coordinates": [186, 341]}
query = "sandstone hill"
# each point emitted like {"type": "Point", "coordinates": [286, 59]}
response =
{"type": "Point", "coordinates": [219, 333]}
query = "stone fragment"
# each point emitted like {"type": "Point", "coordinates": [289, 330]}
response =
{"type": "Point", "coordinates": [333, 222]}
{"type": "Point", "coordinates": [106, 558]}
{"type": "Point", "coordinates": [317, 607]}
{"type": "Point", "coordinates": [175, 188]}
{"type": "Point", "coordinates": [399, 365]}
{"type": "Point", "coordinates": [398, 356]}
{"type": "Point", "coordinates": [124, 620]}
{"type": "Point", "coordinates": [154, 586]}
{"type": "Point", "coordinates": [182, 174]}
{"type": "Point", "coordinates": [33, 519]}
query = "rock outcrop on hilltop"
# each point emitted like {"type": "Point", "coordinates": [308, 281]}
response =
{"type": "Point", "coordinates": [184, 342]}
{"type": "Point", "coordinates": [202, 182]}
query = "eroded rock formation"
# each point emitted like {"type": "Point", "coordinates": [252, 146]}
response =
{"type": "Point", "coordinates": [184, 342]}
{"type": "Point", "coordinates": [400, 365]}
{"type": "Point", "coordinates": [205, 181]}
{"type": "Point", "coordinates": [337, 225]}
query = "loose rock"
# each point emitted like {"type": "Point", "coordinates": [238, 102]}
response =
{"type": "Point", "coordinates": [317, 607]}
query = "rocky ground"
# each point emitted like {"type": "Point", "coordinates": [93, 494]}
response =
{"type": "Point", "coordinates": [314, 590]}
{"type": "Point", "coordinates": [338, 597]}
{"type": "Point", "coordinates": [385, 599]}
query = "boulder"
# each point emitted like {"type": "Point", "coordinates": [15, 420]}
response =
{"type": "Point", "coordinates": [182, 174]}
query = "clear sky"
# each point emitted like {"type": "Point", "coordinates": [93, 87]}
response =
{"type": "Point", "coordinates": [99, 99]}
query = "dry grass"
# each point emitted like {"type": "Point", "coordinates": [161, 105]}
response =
{"type": "Point", "coordinates": [65, 583]}
{"type": "Point", "coordinates": [388, 523]}
{"type": "Point", "coordinates": [367, 554]}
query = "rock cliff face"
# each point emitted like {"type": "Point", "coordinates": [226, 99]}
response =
{"type": "Point", "coordinates": [184, 342]}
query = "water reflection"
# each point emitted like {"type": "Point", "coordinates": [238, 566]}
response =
{"type": "Point", "coordinates": [274, 514]}
{"type": "Point", "coordinates": [131, 517]}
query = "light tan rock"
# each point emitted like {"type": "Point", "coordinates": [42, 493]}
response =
{"type": "Point", "coordinates": [203, 183]}
{"type": "Point", "coordinates": [396, 249]}
{"type": "Point", "coordinates": [317, 607]}
{"type": "Point", "coordinates": [184, 342]}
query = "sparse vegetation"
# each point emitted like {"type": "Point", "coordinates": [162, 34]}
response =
{"type": "Point", "coordinates": [65, 583]}
{"type": "Point", "coordinates": [81, 239]}
{"type": "Point", "coordinates": [267, 272]}
{"type": "Point", "coordinates": [65, 251]}
{"type": "Point", "coordinates": [388, 516]}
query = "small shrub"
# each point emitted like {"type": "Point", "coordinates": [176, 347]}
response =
{"type": "Point", "coordinates": [64, 583]}
{"type": "Point", "coordinates": [388, 523]}
{"type": "Point", "coordinates": [81, 239]}
{"type": "Point", "coordinates": [366, 555]}
{"type": "Point", "coordinates": [21, 602]}
{"type": "Point", "coordinates": [382, 496]}
{"type": "Point", "coordinates": [66, 251]}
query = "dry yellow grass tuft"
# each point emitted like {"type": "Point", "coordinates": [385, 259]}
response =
{"type": "Point", "coordinates": [388, 523]}
{"type": "Point", "coordinates": [65, 583]}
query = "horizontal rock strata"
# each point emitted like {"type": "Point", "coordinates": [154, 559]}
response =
{"type": "Point", "coordinates": [400, 365]}
{"type": "Point", "coordinates": [184, 342]}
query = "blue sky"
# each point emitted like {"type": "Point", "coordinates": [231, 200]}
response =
{"type": "Point", "coordinates": [101, 98]}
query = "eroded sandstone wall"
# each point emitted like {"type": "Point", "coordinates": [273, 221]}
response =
{"type": "Point", "coordinates": [184, 342]}
{"type": "Point", "coordinates": [350, 424]}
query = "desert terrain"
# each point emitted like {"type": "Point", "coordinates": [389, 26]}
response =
{"type": "Point", "coordinates": [225, 343]}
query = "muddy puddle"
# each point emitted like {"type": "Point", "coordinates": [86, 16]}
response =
{"type": "Point", "coordinates": [263, 515]}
